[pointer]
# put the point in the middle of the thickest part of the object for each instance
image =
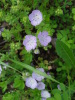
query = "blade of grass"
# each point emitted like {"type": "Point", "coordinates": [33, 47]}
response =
{"type": "Point", "coordinates": [28, 67]}
{"type": "Point", "coordinates": [2, 63]}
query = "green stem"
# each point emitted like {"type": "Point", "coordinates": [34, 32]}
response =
{"type": "Point", "coordinates": [69, 85]}
{"type": "Point", "coordinates": [9, 67]}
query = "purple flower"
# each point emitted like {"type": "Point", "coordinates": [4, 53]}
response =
{"type": "Point", "coordinates": [0, 69]}
{"type": "Point", "coordinates": [35, 17]}
{"type": "Point", "coordinates": [43, 98]}
{"type": "Point", "coordinates": [45, 94]}
{"type": "Point", "coordinates": [30, 42]}
{"type": "Point", "coordinates": [31, 82]}
{"type": "Point", "coordinates": [58, 86]}
{"type": "Point", "coordinates": [44, 38]}
{"type": "Point", "coordinates": [37, 76]}
{"type": "Point", "coordinates": [40, 86]}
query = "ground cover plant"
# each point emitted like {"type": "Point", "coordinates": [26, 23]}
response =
{"type": "Point", "coordinates": [37, 49]}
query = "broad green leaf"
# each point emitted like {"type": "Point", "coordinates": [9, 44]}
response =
{"type": "Point", "coordinates": [57, 96]}
{"type": "Point", "coordinates": [51, 98]}
{"type": "Point", "coordinates": [56, 91]}
{"type": "Point", "coordinates": [62, 86]}
{"type": "Point", "coordinates": [8, 96]}
{"type": "Point", "coordinates": [65, 96]}
{"type": "Point", "coordinates": [65, 53]}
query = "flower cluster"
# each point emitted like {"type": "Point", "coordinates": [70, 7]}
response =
{"type": "Point", "coordinates": [35, 17]}
{"type": "Point", "coordinates": [35, 82]}
{"type": "Point", "coordinates": [30, 41]}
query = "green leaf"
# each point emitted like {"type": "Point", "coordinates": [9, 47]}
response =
{"type": "Point", "coordinates": [56, 91]}
{"type": "Point", "coordinates": [51, 98]}
{"type": "Point", "coordinates": [18, 83]}
{"type": "Point", "coordinates": [8, 96]}
{"type": "Point", "coordinates": [65, 53]}
{"type": "Point", "coordinates": [65, 96]}
{"type": "Point", "coordinates": [62, 86]}
{"type": "Point", "coordinates": [73, 10]}
{"type": "Point", "coordinates": [57, 96]}
{"type": "Point", "coordinates": [15, 95]}
{"type": "Point", "coordinates": [3, 85]}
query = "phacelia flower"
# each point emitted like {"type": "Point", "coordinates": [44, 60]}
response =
{"type": "Point", "coordinates": [30, 42]}
{"type": "Point", "coordinates": [43, 98]}
{"type": "Point", "coordinates": [45, 94]}
{"type": "Point", "coordinates": [40, 86]}
{"type": "Point", "coordinates": [31, 82]}
{"type": "Point", "coordinates": [0, 69]}
{"type": "Point", "coordinates": [37, 76]}
{"type": "Point", "coordinates": [44, 38]}
{"type": "Point", "coordinates": [58, 86]}
{"type": "Point", "coordinates": [35, 17]}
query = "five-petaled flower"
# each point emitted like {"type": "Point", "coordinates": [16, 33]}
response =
{"type": "Point", "coordinates": [31, 82]}
{"type": "Point", "coordinates": [40, 86]}
{"type": "Point", "coordinates": [44, 38]}
{"type": "Point", "coordinates": [30, 42]}
{"type": "Point", "coordinates": [35, 17]}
